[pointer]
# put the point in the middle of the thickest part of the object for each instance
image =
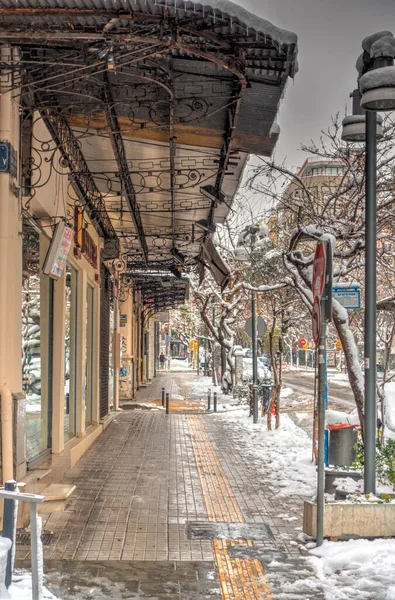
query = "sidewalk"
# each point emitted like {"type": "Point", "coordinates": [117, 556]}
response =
{"type": "Point", "coordinates": [169, 506]}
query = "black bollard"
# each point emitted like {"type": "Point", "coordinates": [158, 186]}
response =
{"type": "Point", "coordinates": [209, 399]}
{"type": "Point", "coordinates": [167, 402]}
{"type": "Point", "coordinates": [163, 396]}
{"type": "Point", "coordinates": [8, 528]}
{"type": "Point", "coordinates": [215, 401]}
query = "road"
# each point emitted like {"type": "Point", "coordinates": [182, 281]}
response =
{"type": "Point", "coordinates": [340, 396]}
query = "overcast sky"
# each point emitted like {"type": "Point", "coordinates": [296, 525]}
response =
{"type": "Point", "coordinates": [330, 33]}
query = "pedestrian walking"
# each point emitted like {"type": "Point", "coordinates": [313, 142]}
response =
{"type": "Point", "coordinates": [162, 360]}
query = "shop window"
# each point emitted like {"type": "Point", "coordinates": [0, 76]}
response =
{"type": "Point", "coordinates": [70, 353]}
{"type": "Point", "coordinates": [88, 379]}
{"type": "Point", "coordinates": [37, 337]}
{"type": "Point", "coordinates": [111, 371]}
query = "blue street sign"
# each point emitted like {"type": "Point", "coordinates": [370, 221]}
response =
{"type": "Point", "coordinates": [349, 297]}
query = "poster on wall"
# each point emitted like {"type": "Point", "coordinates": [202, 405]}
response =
{"type": "Point", "coordinates": [56, 258]}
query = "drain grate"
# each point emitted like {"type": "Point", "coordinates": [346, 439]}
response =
{"type": "Point", "coordinates": [227, 531]}
{"type": "Point", "coordinates": [23, 537]}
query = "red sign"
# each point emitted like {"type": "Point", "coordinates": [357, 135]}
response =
{"type": "Point", "coordinates": [302, 342]}
{"type": "Point", "coordinates": [316, 315]}
{"type": "Point", "coordinates": [319, 268]}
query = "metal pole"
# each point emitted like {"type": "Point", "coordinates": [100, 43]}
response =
{"type": "Point", "coordinates": [167, 402]}
{"type": "Point", "coordinates": [198, 357]}
{"type": "Point", "coordinates": [215, 401]}
{"type": "Point", "coordinates": [209, 399]}
{"type": "Point", "coordinates": [370, 306]}
{"type": "Point", "coordinates": [155, 346]}
{"type": "Point", "coordinates": [213, 358]}
{"type": "Point", "coordinates": [254, 358]}
{"type": "Point", "coordinates": [205, 358]}
{"type": "Point", "coordinates": [36, 552]}
{"type": "Point", "coordinates": [8, 527]}
{"type": "Point", "coordinates": [321, 430]}
{"type": "Point", "coordinates": [163, 396]}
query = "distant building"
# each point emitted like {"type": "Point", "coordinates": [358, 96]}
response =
{"type": "Point", "coordinates": [315, 186]}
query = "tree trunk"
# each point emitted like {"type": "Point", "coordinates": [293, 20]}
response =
{"type": "Point", "coordinates": [340, 319]}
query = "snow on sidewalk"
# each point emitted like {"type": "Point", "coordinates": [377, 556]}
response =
{"type": "Point", "coordinates": [285, 453]}
{"type": "Point", "coordinates": [21, 588]}
{"type": "Point", "coordinates": [358, 569]}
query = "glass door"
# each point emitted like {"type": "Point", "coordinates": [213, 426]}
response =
{"type": "Point", "coordinates": [37, 339]}
{"type": "Point", "coordinates": [87, 391]}
{"type": "Point", "coordinates": [70, 353]}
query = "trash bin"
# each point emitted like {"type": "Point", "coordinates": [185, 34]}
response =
{"type": "Point", "coordinates": [266, 391]}
{"type": "Point", "coordinates": [342, 439]}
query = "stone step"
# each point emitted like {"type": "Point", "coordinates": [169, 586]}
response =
{"type": "Point", "coordinates": [56, 495]}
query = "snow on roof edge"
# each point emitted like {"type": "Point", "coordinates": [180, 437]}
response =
{"type": "Point", "coordinates": [282, 36]}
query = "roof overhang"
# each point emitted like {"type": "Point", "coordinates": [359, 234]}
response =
{"type": "Point", "coordinates": [148, 102]}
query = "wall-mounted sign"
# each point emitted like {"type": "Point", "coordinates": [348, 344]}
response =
{"type": "Point", "coordinates": [161, 317]}
{"type": "Point", "coordinates": [89, 248]}
{"type": "Point", "coordinates": [123, 319]}
{"type": "Point", "coordinates": [347, 295]}
{"type": "Point", "coordinates": [58, 250]}
{"type": "Point", "coordinates": [8, 159]}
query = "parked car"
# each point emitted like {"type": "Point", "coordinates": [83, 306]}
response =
{"type": "Point", "coordinates": [265, 360]}
{"type": "Point", "coordinates": [247, 352]}
{"type": "Point", "coordinates": [264, 374]}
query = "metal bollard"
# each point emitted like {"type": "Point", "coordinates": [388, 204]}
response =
{"type": "Point", "coordinates": [209, 399]}
{"type": "Point", "coordinates": [8, 528]}
{"type": "Point", "coordinates": [215, 401]}
{"type": "Point", "coordinates": [167, 402]}
{"type": "Point", "coordinates": [163, 396]}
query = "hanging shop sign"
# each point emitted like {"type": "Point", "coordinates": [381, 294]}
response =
{"type": "Point", "coordinates": [58, 251]}
{"type": "Point", "coordinates": [123, 319]}
{"type": "Point", "coordinates": [89, 248]}
{"type": "Point", "coordinates": [83, 241]}
{"type": "Point", "coordinates": [349, 296]}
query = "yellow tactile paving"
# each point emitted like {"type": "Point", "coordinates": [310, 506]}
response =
{"type": "Point", "coordinates": [240, 578]}
{"type": "Point", "coordinates": [175, 404]}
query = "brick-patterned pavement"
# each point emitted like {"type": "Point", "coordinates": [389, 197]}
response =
{"type": "Point", "coordinates": [143, 486]}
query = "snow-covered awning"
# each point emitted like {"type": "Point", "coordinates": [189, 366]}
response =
{"type": "Point", "coordinates": [216, 264]}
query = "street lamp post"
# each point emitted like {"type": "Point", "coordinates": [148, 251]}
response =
{"type": "Point", "coordinates": [377, 86]}
{"type": "Point", "coordinates": [254, 358]}
{"type": "Point", "coordinates": [370, 306]}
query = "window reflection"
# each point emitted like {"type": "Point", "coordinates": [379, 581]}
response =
{"type": "Point", "coordinates": [87, 391]}
{"type": "Point", "coordinates": [70, 353]}
{"type": "Point", "coordinates": [37, 323]}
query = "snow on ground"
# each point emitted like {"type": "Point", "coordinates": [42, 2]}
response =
{"type": "Point", "coordinates": [21, 588]}
{"type": "Point", "coordinates": [284, 453]}
{"type": "Point", "coordinates": [286, 391]}
{"type": "Point", "coordinates": [358, 569]}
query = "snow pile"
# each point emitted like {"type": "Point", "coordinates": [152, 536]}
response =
{"type": "Point", "coordinates": [337, 417]}
{"type": "Point", "coordinates": [359, 569]}
{"type": "Point", "coordinates": [389, 405]}
{"type": "Point", "coordinates": [284, 454]}
{"type": "Point", "coordinates": [21, 588]}
{"type": "Point", "coordinates": [285, 392]}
